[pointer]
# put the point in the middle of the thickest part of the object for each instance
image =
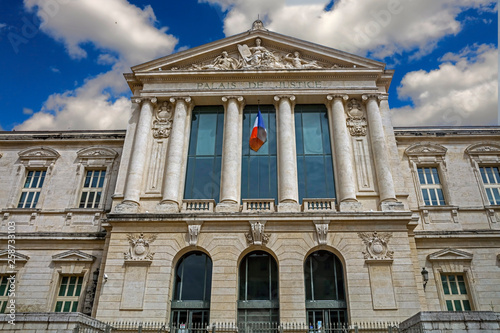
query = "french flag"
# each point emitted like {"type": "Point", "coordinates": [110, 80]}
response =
{"type": "Point", "coordinates": [259, 133]}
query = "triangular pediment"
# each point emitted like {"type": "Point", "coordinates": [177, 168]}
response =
{"type": "Point", "coordinates": [451, 255]}
{"type": "Point", "coordinates": [73, 255]}
{"type": "Point", "coordinates": [15, 257]}
{"type": "Point", "coordinates": [259, 49]}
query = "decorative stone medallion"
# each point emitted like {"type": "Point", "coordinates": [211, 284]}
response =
{"type": "Point", "coordinates": [376, 245]}
{"type": "Point", "coordinates": [139, 247]}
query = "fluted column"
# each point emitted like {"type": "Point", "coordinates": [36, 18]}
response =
{"type": "Point", "coordinates": [380, 152]}
{"type": "Point", "coordinates": [172, 200]}
{"type": "Point", "coordinates": [133, 185]}
{"type": "Point", "coordinates": [230, 191]}
{"type": "Point", "coordinates": [288, 192]}
{"type": "Point", "coordinates": [346, 189]}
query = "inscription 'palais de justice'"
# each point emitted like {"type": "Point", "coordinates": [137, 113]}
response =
{"type": "Point", "coordinates": [258, 85]}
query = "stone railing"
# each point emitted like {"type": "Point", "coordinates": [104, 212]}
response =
{"type": "Point", "coordinates": [198, 205]}
{"type": "Point", "coordinates": [258, 205]}
{"type": "Point", "coordinates": [314, 205]}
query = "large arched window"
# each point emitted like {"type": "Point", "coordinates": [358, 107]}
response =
{"type": "Point", "coordinates": [192, 286]}
{"type": "Point", "coordinates": [258, 293]}
{"type": "Point", "coordinates": [325, 292]}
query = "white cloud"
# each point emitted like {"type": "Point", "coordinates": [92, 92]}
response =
{"type": "Point", "coordinates": [87, 107]}
{"type": "Point", "coordinates": [27, 111]}
{"type": "Point", "coordinates": [383, 27]}
{"type": "Point", "coordinates": [130, 38]}
{"type": "Point", "coordinates": [462, 91]}
{"type": "Point", "coordinates": [3, 25]}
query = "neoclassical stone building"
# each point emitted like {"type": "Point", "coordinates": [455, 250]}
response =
{"type": "Point", "coordinates": [337, 217]}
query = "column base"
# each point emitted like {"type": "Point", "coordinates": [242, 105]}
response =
{"type": "Point", "coordinates": [351, 206]}
{"type": "Point", "coordinates": [227, 207]}
{"type": "Point", "coordinates": [388, 206]}
{"type": "Point", "coordinates": [288, 207]}
{"type": "Point", "coordinates": [167, 207]}
{"type": "Point", "coordinates": [127, 207]}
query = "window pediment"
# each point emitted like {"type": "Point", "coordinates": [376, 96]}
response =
{"type": "Point", "coordinates": [484, 152]}
{"type": "Point", "coordinates": [426, 149]}
{"type": "Point", "coordinates": [73, 256]}
{"type": "Point", "coordinates": [38, 157]}
{"type": "Point", "coordinates": [450, 255]}
{"type": "Point", "coordinates": [18, 257]}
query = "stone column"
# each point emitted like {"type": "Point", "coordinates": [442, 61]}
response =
{"type": "Point", "coordinates": [130, 203]}
{"type": "Point", "coordinates": [172, 196]}
{"type": "Point", "coordinates": [346, 189]}
{"type": "Point", "coordinates": [288, 192]}
{"type": "Point", "coordinates": [230, 190]}
{"type": "Point", "coordinates": [380, 152]}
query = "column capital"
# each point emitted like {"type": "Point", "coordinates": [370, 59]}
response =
{"type": "Point", "coordinates": [368, 97]}
{"type": "Point", "coordinates": [139, 100]}
{"type": "Point", "coordinates": [238, 98]}
{"type": "Point", "coordinates": [290, 97]}
{"type": "Point", "coordinates": [186, 99]}
{"type": "Point", "coordinates": [333, 97]}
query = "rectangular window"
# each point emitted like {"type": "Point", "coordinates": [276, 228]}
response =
{"type": "Point", "coordinates": [432, 191]}
{"type": "Point", "coordinates": [455, 292]}
{"type": "Point", "coordinates": [491, 181]}
{"type": "Point", "coordinates": [30, 192]}
{"type": "Point", "coordinates": [69, 293]}
{"type": "Point", "coordinates": [4, 292]}
{"type": "Point", "coordinates": [314, 153]}
{"type": "Point", "coordinates": [258, 168]}
{"type": "Point", "coordinates": [92, 188]}
{"type": "Point", "coordinates": [205, 153]}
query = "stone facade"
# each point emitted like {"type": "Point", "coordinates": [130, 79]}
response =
{"type": "Point", "coordinates": [379, 225]}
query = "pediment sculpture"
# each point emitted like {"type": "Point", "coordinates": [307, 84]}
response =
{"type": "Point", "coordinates": [258, 57]}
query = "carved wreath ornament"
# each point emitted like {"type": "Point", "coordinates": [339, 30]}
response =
{"type": "Point", "coordinates": [376, 245]}
{"type": "Point", "coordinates": [139, 247]}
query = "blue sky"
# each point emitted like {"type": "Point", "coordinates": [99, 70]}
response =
{"type": "Point", "coordinates": [62, 60]}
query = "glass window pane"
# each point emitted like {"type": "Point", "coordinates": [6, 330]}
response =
{"type": "Point", "coordinates": [97, 199]}
{"type": "Point", "coordinates": [258, 169]}
{"type": "Point", "coordinates": [461, 285]}
{"type": "Point", "coordinates": [193, 277]}
{"type": "Point", "coordinates": [435, 176]}
{"type": "Point", "coordinates": [311, 126]}
{"type": "Point", "coordinates": [58, 306]}
{"type": "Point", "coordinates": [83, 200]}
{"type": "Point", "coordinates": [203, 169]}
{"type": "Point", "coordinates": [483, 175]}
{"type": "Point", "coordinates": [207, 129]}
{"type": "Point", "coordinates": [101, 178]}
{"type": "Point", "coordinates": [29, 177]}
{"type": "Point", "coordinates": [466, 305]}
{"type": "Point", "coordinates": [75, 307]}
{"type": "Point", "coordinates": [421, 176]}
{"type": "Point", "coordinates": [453, 284]}
{"type": "Point", "coordinates": [22, 200]}
{"type": "Point", "coordinates": [42, 179]}
{"type": "Point", "coordinates": [446, 289]}
{"type": "Point", "coordinates": [458, 305]}
{"type": "Point", "coordinates": [449, 305]}
{"type": "Point", "coordinates": [425, 195]}
{"type": "Point", "coordinates": [67, 307]}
